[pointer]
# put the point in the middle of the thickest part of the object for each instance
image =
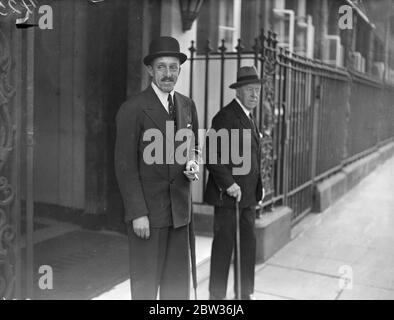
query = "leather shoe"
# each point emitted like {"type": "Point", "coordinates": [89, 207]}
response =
{"type": "Point", "coordinates": [248, 297]}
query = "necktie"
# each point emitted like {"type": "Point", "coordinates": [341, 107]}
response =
{"type": "Point", "coordinates": [171, 108]}
{"type": "Point", "coordinates": [254, 127]}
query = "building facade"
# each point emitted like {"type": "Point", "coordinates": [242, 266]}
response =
{"type": "Point", "coordinates": [60, 90]}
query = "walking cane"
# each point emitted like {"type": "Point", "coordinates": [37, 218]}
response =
{"type": "Point", "coordinates": [192, 243]}
{"type": "Point", "coordinates": [237, 253]}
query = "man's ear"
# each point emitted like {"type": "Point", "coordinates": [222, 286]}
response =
{"type": "Point", "coordinates": [180, 69]}
{"type": "Point", "coordinates": [149, 68]}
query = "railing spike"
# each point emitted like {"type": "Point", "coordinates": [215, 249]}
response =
{"type": "Point", "coordinates": [239, 46]}
{"type": "Point", "coordinates": [222, 48]}
{"type": "Point", "coordinates": [274, 39]}
{"type": "Point", "coordinates": [208, 48]}
{"type": "Point", "coordinates": [192, 48]}
{"type": "Point", "coordinates": [256, 47]}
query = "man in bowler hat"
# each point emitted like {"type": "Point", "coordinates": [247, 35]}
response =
{"type": "Point", "coordinates": [224, 187]}
{"type": "Point", "coordinates": [157, 194]}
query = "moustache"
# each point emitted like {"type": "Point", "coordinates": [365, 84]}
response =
{"type": "Point", "coordinates": [168, 79]}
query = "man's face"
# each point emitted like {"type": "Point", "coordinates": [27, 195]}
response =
{"type": "Point", "coordinates": [249, 95]}
{"type": "Point", "coordinates": [164, 72]}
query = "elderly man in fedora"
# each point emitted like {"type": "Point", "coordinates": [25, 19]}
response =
{"type": "Point", "coordinates": [157, 191]}
{"type": "Point", "coordinates": [224, 187]}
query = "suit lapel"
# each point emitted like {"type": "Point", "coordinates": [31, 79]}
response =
{"type": "Point", "coordinates": [241, 115]}
{"type": "Point", "coordinates": [244, 118]}
{"type": "Point", "coordinates": [256, 132]}
{"type": "Point", "coordinates": [181, 112]}
{"type": "Point", "coordinates": [155, 110]}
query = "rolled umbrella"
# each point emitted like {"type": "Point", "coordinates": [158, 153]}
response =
{"type": "Point", "coordinates": [237, 254]}
{"type": "Point", "coordinates": [192, 243]}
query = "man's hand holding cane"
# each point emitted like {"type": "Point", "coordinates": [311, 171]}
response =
{"type": "Point", "coordinates": [234, 191]}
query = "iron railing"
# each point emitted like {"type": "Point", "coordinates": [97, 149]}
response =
{"type": "Point", "coordinates": [316, 118]}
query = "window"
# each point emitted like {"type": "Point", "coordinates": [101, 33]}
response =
{"type": "Point", "coordinates": [219, 19]}
{"type": "Point", "coordinates": [229, 22]}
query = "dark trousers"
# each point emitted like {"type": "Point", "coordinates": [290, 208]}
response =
{"type": "Point", "coordinates": [160, 263]}
{"type": "Point", "coordinates": [222, 249]}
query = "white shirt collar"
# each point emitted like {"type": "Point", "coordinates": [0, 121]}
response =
{"type": "Point", "coordinates": [163, 96]}
{"type": "Point", "coordinates": [247, 112]}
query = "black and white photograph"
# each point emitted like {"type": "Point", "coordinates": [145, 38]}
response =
{"type": "Point", "coordinates": [197, 150]}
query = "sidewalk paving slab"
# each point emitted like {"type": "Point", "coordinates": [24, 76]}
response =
{"type": "Point", "coordinates": [360, 292]}
{"type": "Point", "coordinates": [296, 284]}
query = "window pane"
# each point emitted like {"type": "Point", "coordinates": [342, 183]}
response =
{"type": "Point", "coordinates": [228, 35]}
{"type": "Point", "coordinates": [226, 13]}
{"type": "Point", "coordinates": [226, 23]}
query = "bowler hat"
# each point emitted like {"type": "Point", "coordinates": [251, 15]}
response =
{"type": "Point", "coordinates": [164, 47]}
{"type": "Point", "coordinates": [246, 75]}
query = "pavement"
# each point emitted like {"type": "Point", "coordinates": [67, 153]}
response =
{"type": "Point", "coordinates": [344, 253]}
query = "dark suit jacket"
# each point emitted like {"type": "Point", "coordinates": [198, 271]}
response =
{"type": "Point", "coordinates": [221, 175]}
{"type": "Point", "coordinates": [159, 190]}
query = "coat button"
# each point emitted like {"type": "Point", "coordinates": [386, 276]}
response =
{"type": "Point", "coordinates": [172, 181]}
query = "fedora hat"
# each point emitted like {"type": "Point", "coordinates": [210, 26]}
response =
{"type": "Point", "coordinates": [164, 47]}
{"type": "Point", "coordinates": [246, 75]}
